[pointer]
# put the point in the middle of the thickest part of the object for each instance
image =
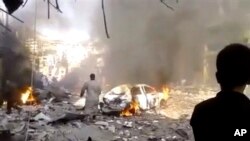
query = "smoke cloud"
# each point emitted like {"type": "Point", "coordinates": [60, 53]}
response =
{"type": "Point", "coordinates": [149, 42]}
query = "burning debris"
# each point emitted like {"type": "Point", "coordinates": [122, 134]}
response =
{"type": "Point", "coordinates": [27, 97]}
{"type": "Point", "coordinates": [131, 100]}
{"type": "Point", "coordinates": [59, 121]}
{"type": "Point", "coordinates": [132, 109]}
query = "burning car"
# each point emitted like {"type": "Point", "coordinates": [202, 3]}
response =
{"type": "Point", "coordinates": [141, 96]}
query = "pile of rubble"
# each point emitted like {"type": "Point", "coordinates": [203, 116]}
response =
{"type": "Point", "coordinates": [59, 120]}
{"type": "Point", "coordinates": [183, 100]}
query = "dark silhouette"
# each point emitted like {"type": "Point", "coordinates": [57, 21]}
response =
{"type": "Point", "coordinates": [218, 118]}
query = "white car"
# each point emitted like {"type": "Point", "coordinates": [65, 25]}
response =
{"type": "Point", "coordinates": [146, 95]}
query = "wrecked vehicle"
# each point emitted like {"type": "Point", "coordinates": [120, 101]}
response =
{"type": "Point", "coordinates": [146, 96]}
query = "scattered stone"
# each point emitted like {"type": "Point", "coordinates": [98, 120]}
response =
{"type": "Point", "coordinates": [121, 133]}
{"type": "Point", "coordinates": [42, 116]}
{"type": "Point", "coordinates": [182, 133]}
{"type": "Point", "coordinates": [124, 139]}
{"type": "Point", "coordinates": [127, 133]}
{"type": "Point", "coordinates": [111, 128]}
{"type": "Point", "coordinates": [42, 136]}
{"type": "Point", "coordinates": [118, 122]}
{"type": "Point", "coordinates": [80, 103]}
{"type": "Point", "coordinates": [79, 127]}
{"type": "Point", "coordinates": [77, 124]}
{"type": "Point", "coordinates": [128, 124]}
{"type": "Point", "coordinates": [20, 128]}
{"type": "Point", "coordinates": [103, 123]}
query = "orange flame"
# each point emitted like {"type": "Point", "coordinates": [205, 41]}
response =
{"type": "Point", "coordinates": [27, 96]}
{"type": "Point", "coordinates": [165, 91]}
{"type": "Point", "coordinates": [131, 110]}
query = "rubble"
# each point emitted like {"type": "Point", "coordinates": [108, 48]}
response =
{"type": "Point", "coordinates": [42, 116]}
{"type": "Point", "coordinates": [80, 103]}
{"type": "Point", "coordinates": [61, 121]}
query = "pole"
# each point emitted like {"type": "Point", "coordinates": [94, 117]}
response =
{"type": "Point", "coordinates": [34, 47]}
{"type": "Point", "coordinates": [205, 65]}
{"type": "Point", "coordinates": [32, 66]}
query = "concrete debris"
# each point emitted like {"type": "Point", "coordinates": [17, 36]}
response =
{"type": "Point", "coordinates": [111, 128]}
{"type": "Point", "coordinates": [67, 117]}
{"type": "Point", "coordinates": [80, 103]}
{"type": "Point", "coordinates": [102, 123]}
{"type": "Point", "coordinates": [42, 136]}
{"type": "Point", "coordinates": [19, 128]}
{"type": "Point", "coordinates": [42, 116]}
{"type": "Point", "coordinates": [182, 133]}
{"type": "Point", "coordinates": [60, 120]}
{"type": "Point", "coordinates": [128, 124]}
{"type": "Point", "coordinates": [77, 124]}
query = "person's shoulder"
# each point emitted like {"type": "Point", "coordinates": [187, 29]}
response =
{"type": "Point", "coordinates": [207, 104]}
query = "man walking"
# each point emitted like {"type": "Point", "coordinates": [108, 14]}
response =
{"type": "Point", "coordinates": [91, 90]}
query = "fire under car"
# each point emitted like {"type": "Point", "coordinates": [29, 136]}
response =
{"type": "Point", "coordinates": [146, 96]}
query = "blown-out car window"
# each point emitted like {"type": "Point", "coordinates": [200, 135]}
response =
{"type": "Point", "coordinates": [149, 89]}
{"type": "Point", "coordinates": [135, 90]}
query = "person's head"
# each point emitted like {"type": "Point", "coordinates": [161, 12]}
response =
{"type": "Point", "coordinates": [92, 76]}
{"type": "Point", "coordinates": [233, 66]}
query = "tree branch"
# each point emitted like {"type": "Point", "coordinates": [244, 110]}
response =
{"type": "Point", "coordinates": [104, 20]}
{"type": "Point", "coordinates": [11, 15]}
{"type": "Point", "coordinates": [48, 2]}
{"type": "Point", "coordinates": [25, 3]}
{"type": "Point", "coordinates": [164, 2]}
{"type": "Point", "coordinates": [56, 7]}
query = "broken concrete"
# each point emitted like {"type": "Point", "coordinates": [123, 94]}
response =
{"type": "Point", "coordinates": [68, 123]}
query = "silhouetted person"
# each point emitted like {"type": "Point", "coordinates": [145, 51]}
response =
{"type": "Point", "coordinates": [93, 90]}
{"type": "Point", "coordinates": [218, 118]}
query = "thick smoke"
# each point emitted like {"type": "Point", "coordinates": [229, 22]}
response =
{"type": "Point", "coordinates": [15, 66]}
{"type": "Point", "coordinates": [152, 44]}
{"type": "Point", "coordinates": [149, 42]}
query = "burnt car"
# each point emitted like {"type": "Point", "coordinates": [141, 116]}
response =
{"type": "Point", "coordinates": [146, 96]}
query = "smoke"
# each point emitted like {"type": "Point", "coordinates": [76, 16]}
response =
{"type": "Point", "coordinates": [149, 42]}
{"type": "Point", "coordinates": [15, 65]}
{"type": "Point", "coordinates": [152, 44]}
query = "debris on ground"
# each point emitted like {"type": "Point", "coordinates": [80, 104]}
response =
{"type": "Point", "coordinates": [62, 121]}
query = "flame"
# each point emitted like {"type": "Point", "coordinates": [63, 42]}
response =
{"type": "Point", "coordinates": [165, 91]}
{"type": "Point", "coordinates": [132, 109]}
{"type": "Point", "coordinates": [27, 96]}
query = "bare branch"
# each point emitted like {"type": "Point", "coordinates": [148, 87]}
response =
{"type": "Point", "coordinates": [104, 20]}
{"type": "Point", "coordinates": [11, 15]}
{"type": "Point", "coordinates": [48, 2]}
{"type": "Point", "coordinates": [164, 2]}
{"type": "Point", "coordinates": [56, 7]}
{"type": "Point", "coordinates": [25, 3]}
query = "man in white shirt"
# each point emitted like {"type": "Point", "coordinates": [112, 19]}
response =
{"type": "Point", "coordinates": [93, 90]}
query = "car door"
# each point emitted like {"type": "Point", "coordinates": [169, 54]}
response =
{"type": "Point", "coordinates": [138, 93]}
{"type": "Point", "coordinates": [151, 95]}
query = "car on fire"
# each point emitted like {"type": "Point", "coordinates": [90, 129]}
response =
{"type": "Point", "coordinates": [146, 96]}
